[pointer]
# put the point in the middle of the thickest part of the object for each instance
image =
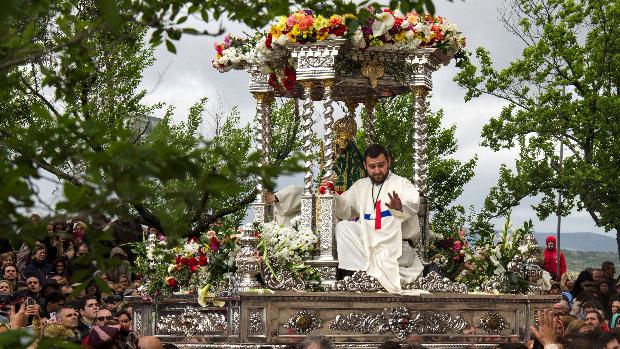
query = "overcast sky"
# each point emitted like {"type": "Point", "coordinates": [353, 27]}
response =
{"type": "Point", "coordinates": [181, 79]}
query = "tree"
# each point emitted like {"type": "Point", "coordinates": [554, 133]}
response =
{"type": "Point", "coordinates": [446, 176]}
{"type": "Point", "coordinates": [563, 89]}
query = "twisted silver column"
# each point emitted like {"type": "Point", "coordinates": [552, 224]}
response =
{"type": "Point", "coordinates": [369, 121]}
{"type": "Point", "coordinates": [260, 137]}
{"type": "Point", "coordinates": [329, 132]}
{"type": "Point", "coordinates": [420, 140]}
{"type": "Point", "coordinates": [307, 135]}
{"type": "Point", "coordinates": [268, 100]}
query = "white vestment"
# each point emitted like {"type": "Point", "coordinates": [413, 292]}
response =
{"type": "Point", "coordinates": [288, 204]}
{"type": "Point", "coordinates": [378, 251]}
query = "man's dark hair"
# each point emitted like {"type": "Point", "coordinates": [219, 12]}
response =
{"type": "Point", "coordinates": [389, 345]}
{"type": "Point", "coordinates": [374, 150]}
{"type": "Point", "coordinates": [322, 341]}
{"type": "Point", "coordinates": [579, 341]}
{"type": "Point", "coordinates": [604, 339]}
{"type": "Point", "coordinates": [82, 302]}
{"type": "Point", "coordinates": [607, 264]}
{"type": "Point", "coordinates": [512, 346]}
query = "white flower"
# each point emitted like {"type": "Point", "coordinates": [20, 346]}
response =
{"type": "Point", "coordinates": [382, 24]}
{"type": "Point", "coordinates": [358, 39]}
{"type": "Point", "coordinates": [171, 267]}
{"type": "Point", "coordinates": [424, 29]}
{"type": "Point", "coordinates": [405, 24]}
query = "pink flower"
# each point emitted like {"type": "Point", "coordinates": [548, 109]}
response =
{"type": "Point", "coordinates": [457, 246]}
{"type": "Point", "coordinates": [461, 233]}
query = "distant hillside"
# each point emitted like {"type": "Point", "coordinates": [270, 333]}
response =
{"type": "Point", "coordinates": [583, 241]}
{"type": "Point", "coordinates": [577, 261]}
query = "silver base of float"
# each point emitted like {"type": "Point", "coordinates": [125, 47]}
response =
{"type": "Point", "coordinates": [351, 320]}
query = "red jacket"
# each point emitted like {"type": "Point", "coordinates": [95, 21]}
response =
{"type": "Point", "coordinates": [551, 262]}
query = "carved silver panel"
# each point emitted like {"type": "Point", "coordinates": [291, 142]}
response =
{"type": "Point", "coordinates": [401, 322]}
{"type": "Point", "coordinates": [316, 61]}
{"type": "Point", "coordinates": [304, 322]}
{"type": "Point", "coordinates": [192, 322]}
{"type": "Point", "coordinates": [434, 282]}
{"type": "Point", "coordinates": [282, 279]}
{"type": "Point", "coordinates": [137, 321]}
{"type": "Point", "coordinates": [327, 239]}
{"type": "Point", "coordinates": [256, 322]}
{"type": "Point", "coordinates": [360, 322]}
{"type": "Point", "coordinates": [493, 323]}
{"type": "Point", "coordinates": [234, 320]}
{"type": "Point", "coordinates": [307, 211]}
{"type": "Point", "coordinates": [360, 281]}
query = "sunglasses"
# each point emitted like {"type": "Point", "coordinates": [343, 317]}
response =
{"type": "Point", "coordinates": [106, 318]}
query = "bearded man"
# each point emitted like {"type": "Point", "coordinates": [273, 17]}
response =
{"type": "Point", "coordinates": [386, 206]}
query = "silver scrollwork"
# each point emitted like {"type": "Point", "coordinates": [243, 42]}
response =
{"type": "Point", "coordinates": [420, 167]}
{"type": "Point", "coordinates": [308, 121]}
{"type": "Point", "coordinates": [234, 320]}
{"type": "Point", "coordinates": [304, 322]}
{"type": "Point", "coordinates": [433, 282]}
{"type": "Point", "coordinates": [277, 278]}
{"type": "Point", "coordinates": [192, 322]}
{"type": "Point", "coordinates": [360, 281]}
{"type": "Point", "coordinates": [360, 322]}
{"type": "Point", "coordinates": [493, 323]}
{"type": "Point", "coordinates": [256, 322]}
{"type": "Point", "coordinates": [137, 322]}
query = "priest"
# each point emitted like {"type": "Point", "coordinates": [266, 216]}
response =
{"type": "Point", "coordinates": [286, 203]}
{"type": "Point", "coordinates": [379, 218]}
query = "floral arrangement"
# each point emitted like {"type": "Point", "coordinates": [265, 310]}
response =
{"type": "Point", "coordinates": [448, 251]}
{"type": "Point", "coordinates": [387, 28]}
{"type": "Point", "coordinates": [493, 257]}
{"type": "Point", "coordinates": [288, 248]}
{"type": "Point", "coordinates": [191, 265]}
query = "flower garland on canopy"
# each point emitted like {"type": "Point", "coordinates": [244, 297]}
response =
{"type": "Point", "coordinates": [390, 29]}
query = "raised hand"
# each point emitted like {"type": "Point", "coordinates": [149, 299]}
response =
{"type": "Point", "coordinates": [395, 203]}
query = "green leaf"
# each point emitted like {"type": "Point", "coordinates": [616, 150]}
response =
{"type": "Point", "coordinates": [170, 46]}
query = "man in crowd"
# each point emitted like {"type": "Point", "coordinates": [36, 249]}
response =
{"type": "Point", "coordinates": [609, 273]}
{"type": "Point", "coordinates": [594, 320]}
{"type": "Point", "coordinates": [10, 275]}
{"type": "Point", "coordinates": [597, 275]}
{"type": "Point", "coordinates": [54, 302]}
{"type": "Point", "coordinates": [38, 267]}
{"type": "Point", "coordinates": [34, 290]}
{"type": "Point", "coordinates": [551, 259]}
{"type": "Point", "coordinates": [387, 207]}
{"type": "Point", "coordinates": [104, 317]}
{"type": "Point", "coordinates": [88, 308]}
{"type": "Point", "coordinates": [149, 342]}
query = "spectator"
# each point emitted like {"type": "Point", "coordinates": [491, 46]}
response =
{"type": "Point", "coordinates": [127, 334]}
{"type": "Point", "coordinates": [584, 276]}
{"type": "Point", "coordinates": [78, 263]}
{"type": "Point", "coordinates": [121, 265]}
{"type": "Point", "coordinates": [54, 301]}
{"type": "Point", "coordinates": [88, 308]}
{"type": "Point", "coordinates": [567, 282]}
{"type": "Point", "coordinates": [313, 342]}
{"type": "Point", "coordinates": [60, 270]}
{"type": "Point", "coordinates": [59, 243]}
{"type": "Point", "coordinates": [150, 342]}
{"type": "Point", "coordinates": [10, 274]}
{"type": "Point", "coordinates": [7, 258]}
{"type": "Point", "coordinates": [104, 317]}
{"type": "Point", "coordinates": [5, 287]}
{"type": "Point", "coordinates": [597, 275]}
{"type": "Point", "coordinates": [104, 337]}
{"type": "Point", "coordinates": [551, 261]}
{"type": "Point", "coordinates": [38, 267]}
{"type": "Point", "coordinates": [576, 327]}
{"type": "Point", "coordinates": [34, 291]}
{"type": "Point", "coordinates": [609, 270]}
{"type": "Point", "coordinates": [594, 320]}
{"type": "Point", "coordinates": [79, 232]}
{"type": "Point", "coordinates": [607, 341]}
{"type": "Point", "coordinates": [66, 290]}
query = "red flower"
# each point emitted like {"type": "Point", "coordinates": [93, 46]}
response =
{"type": "Point", "coordinates": [202, 260]}
{"type": "Point", "coordinates": [290, 78]}
{"type": "Point", "coordinates": [192, 262]}
{"type": "Point", "coordinates": [273, 81]}
{"type": "Point", "coordinates": [172, 282]}
{"type": "Point", "coordinates": [338, 30]}
{"type": "Point", "coordinates": [194, 268]}
{"type": "Point", "coordinates": [268, 41]}
{"type": "Point", "coordinates": [330, 185]}
{"type": "Point", "coordinates": [214, 244]}
{"type": "Point", "coordinates": [178, 260]}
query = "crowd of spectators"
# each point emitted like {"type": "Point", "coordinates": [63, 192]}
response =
{"type": "Point", "coordinates": [54, 288]}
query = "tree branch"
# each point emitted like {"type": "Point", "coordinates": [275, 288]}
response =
{"type": "Point", "coordinates": [7, 63]}
{"type": "Point", "coordinates": [212, 218]}
{"type": "Point", "coordinates": [58, 173]}
{"type": "Point", "coordinates": [41, 97]}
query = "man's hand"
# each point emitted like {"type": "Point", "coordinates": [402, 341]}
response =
{"type": "Point", "coordinates": [395, 203]}
{"type": "Point", "coordinates": [546, 334]}
{"type": "Point", "coordinates": [270, 198]}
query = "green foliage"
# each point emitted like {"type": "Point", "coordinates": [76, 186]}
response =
{"type": "Point", "coordinates": [446, 176]}
{"type": "Point", "coordinates": [563, 88]}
